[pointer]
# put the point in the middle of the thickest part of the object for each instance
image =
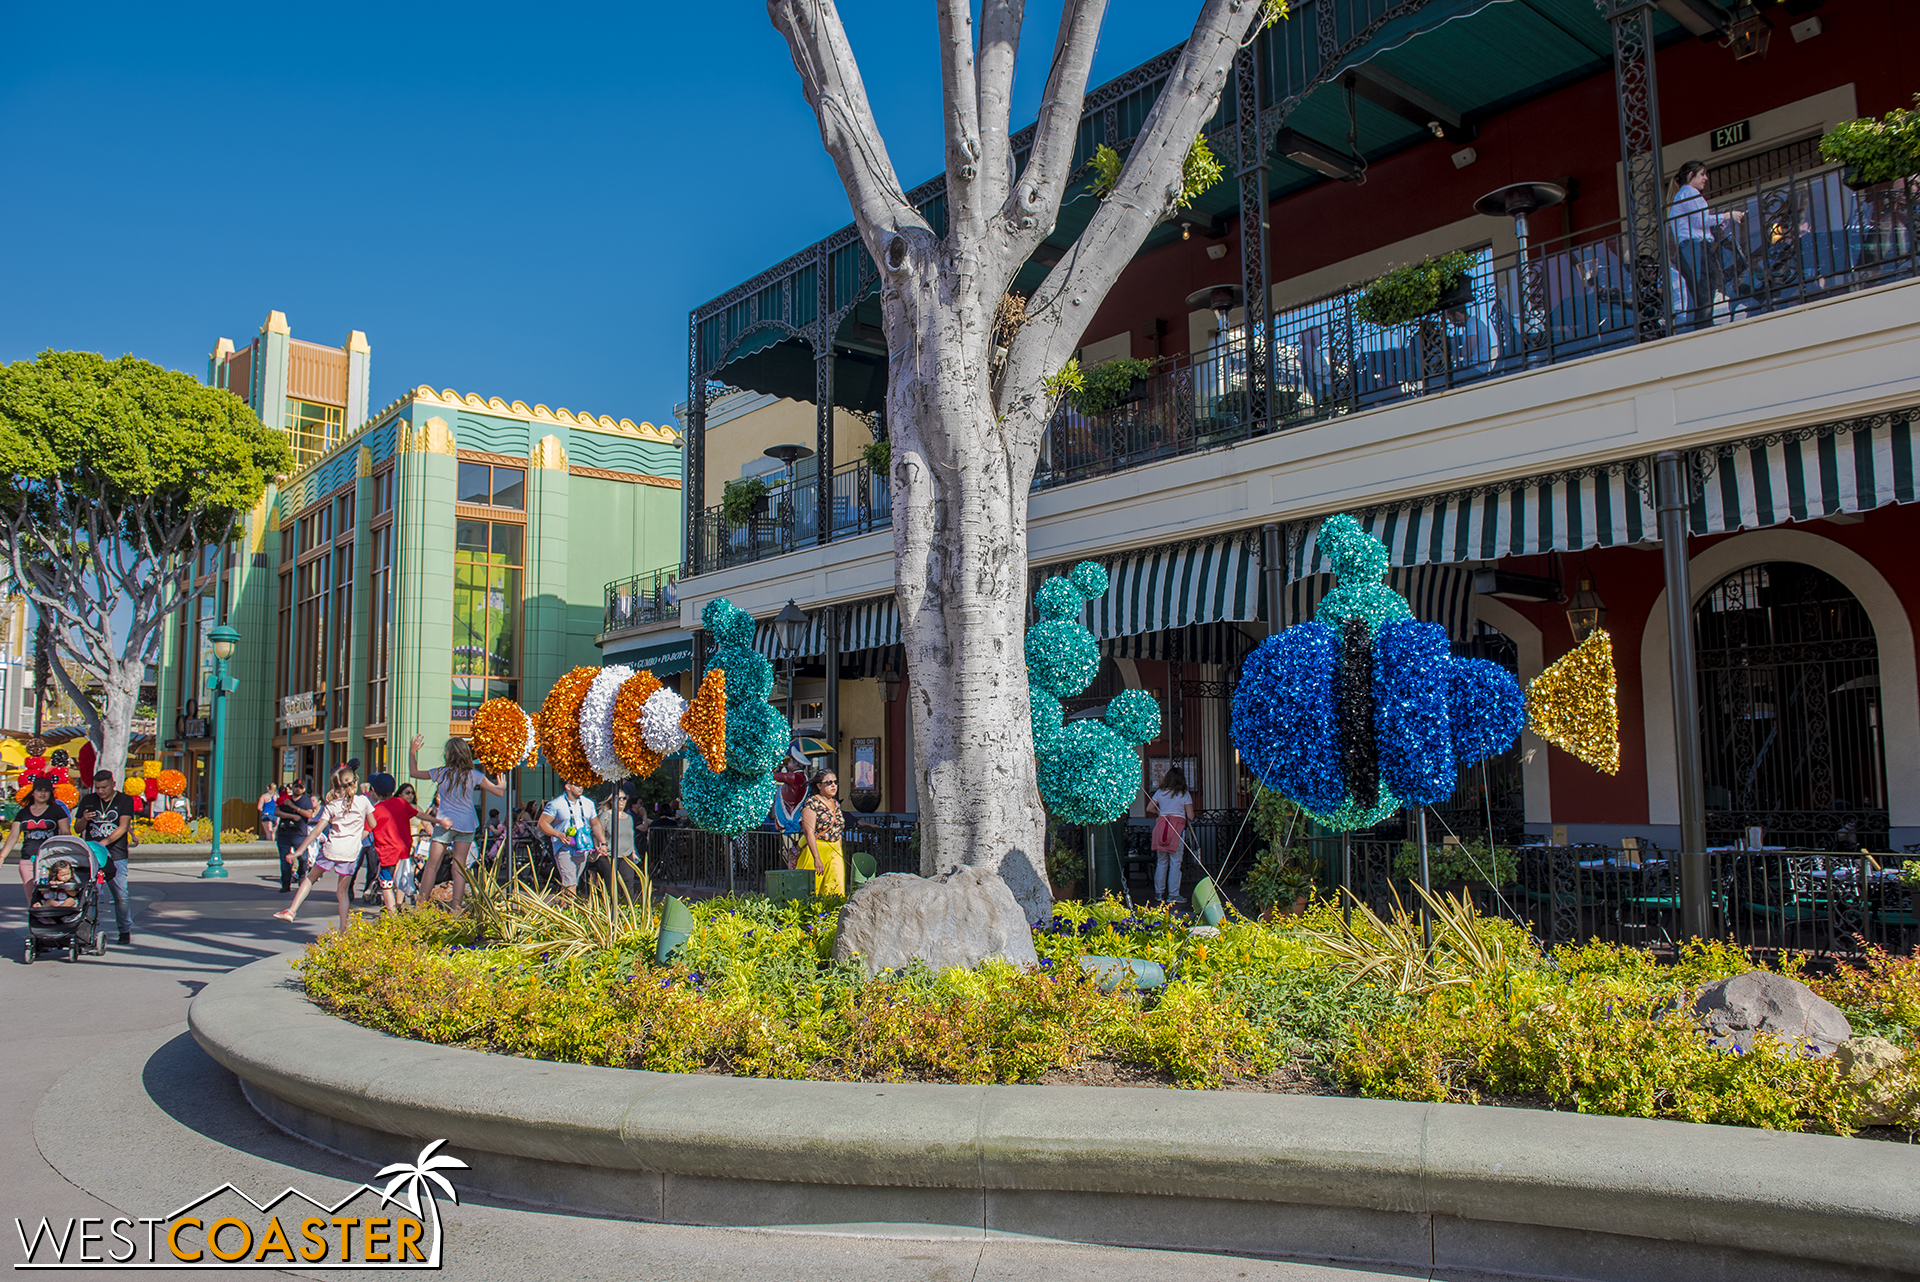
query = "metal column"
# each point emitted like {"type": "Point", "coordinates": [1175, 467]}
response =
{"type": "Point", "coordinates": [1273, 567]}
{"type": "Point", "coordinates": [1673, 495]}
{"type": "Point", "coordinates": [1637, 93]}
{"type": "Point", "coordinates": [693, 482]}
{"type": "Point", "coordinates": [1252, 173]}
{"type": "Point", "coordinates": [830, 706]}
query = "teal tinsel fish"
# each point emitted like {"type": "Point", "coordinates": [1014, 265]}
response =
{"type": "Point", "coordinates": [738, 798]}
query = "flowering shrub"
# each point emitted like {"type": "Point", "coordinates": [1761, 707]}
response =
{"type": "Point", "coordinates": [1486, 1016]}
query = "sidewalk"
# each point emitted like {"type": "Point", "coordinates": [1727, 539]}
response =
{"type": "Point", "coordinates": [110, 1107]}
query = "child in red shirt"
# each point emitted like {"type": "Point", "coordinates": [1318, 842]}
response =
{"type": "Point", "coordinates": [392, 828]}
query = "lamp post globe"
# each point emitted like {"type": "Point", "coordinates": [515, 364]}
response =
{"type": "Point", "coordinates": [223, 640]}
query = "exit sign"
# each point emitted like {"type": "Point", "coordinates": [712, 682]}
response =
{"type": "Point", "coordinates": [1732, 135]}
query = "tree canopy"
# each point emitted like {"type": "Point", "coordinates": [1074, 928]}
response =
{"type": "Point", "coordinates": [119, 473]}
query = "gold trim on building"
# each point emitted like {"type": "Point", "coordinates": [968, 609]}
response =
{"type": "Point", "coordinates": [632, 478]}
{"type": "Point", "coordinates": [363, 463]}
{"type": "Point", "coordinates": [431, 437]}
{"type": "Point", "coordinates": [541, 414]}
{"type": "Point", "coordinates": [549, 454]}
{"type": "Point", "coordinates": [487, 456]}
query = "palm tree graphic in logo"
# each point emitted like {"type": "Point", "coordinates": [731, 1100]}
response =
{"type": "Point", "coordinates": [421, 1176]}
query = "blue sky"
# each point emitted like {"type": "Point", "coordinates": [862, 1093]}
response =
{"type": "Point", "coordinates": [518, 201]}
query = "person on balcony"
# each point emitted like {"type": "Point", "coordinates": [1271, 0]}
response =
{"type": "Point", "coordinates": [1693, 227]}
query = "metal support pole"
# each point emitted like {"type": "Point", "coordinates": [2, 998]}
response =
{"type": "Point", "coordinates": [1346, 877]}
{"type": "Point", "coordinates": [1273, 565]}
{"type": "Point", "coordinates": [823, 444]}
{"type": "Point", "coordinates": [1637, 94]}
{"type": "Point", "coordinates": [1251, 170]}
{"type": "Point", "coordinates": [1426, 884]}
{"type": "Point", "coordinates": [216, 867]}
{"type": "Point", "coordinates": [1673, 498]}
{"type": "Point", "coordinates": [694, 442]}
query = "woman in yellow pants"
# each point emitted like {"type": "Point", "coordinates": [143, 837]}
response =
{"type": "Point", "coordinates": [821, 827]}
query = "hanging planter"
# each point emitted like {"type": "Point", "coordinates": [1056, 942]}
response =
{"type": "Point", "coordinates": [744, 499]}
{"type": "Point", "coordinates": [1875, 151]}
{"type": "Point", "coordinates": [1405, 294]}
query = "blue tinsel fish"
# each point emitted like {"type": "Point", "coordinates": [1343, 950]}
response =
{"type": "Point", "coordinates": [1365, 710]}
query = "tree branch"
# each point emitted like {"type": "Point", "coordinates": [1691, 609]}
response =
{"type": "Point", "coordinates": [830, 79]}
{"type": "Point", "coordinates": [1034, 203]}
{"type": "Point", "coordinates": [1000, 23]}
{"type": "Point", "coordinates": [958, 90]}
{"type": "Point", "coordinates": [1148, 191]}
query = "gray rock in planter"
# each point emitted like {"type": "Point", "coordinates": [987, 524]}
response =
{"type": "Point", "coordinates": [959, 918]}
{"type": "Point", "coordinates": [1733, 1010]}
{"type": "Point", "coordinates": [1865, 1061]}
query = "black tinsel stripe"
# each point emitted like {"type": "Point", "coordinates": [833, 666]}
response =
{"type": "Point", "coordinates": [1353, 715]}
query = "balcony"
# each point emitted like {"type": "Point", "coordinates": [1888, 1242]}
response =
{"type": "Point", "coordinates": [1803, 237]}
{"type": "Point", "coordinates": [789, 518]}
{"type": "Point", "coordinates": [642, 600]}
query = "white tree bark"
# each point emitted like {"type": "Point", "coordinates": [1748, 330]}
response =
{"type": "Point", "coordinates": [965, 447]}
{"type": "Point", "coordinates": [99, 567]}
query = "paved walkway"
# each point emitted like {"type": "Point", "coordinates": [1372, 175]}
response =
{"type": "Point", "coordinates": [111, 1108]}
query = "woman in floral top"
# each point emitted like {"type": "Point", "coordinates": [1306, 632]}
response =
{"type": "Point", "coordinates": [821, 827]}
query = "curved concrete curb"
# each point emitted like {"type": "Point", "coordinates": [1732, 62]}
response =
{"type": "Point", "coordinates": [1451, 1188]}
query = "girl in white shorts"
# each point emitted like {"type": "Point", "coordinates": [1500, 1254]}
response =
{"type": "Point", "coordinates": [342, 822]}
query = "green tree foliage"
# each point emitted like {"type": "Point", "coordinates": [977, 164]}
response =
{"type": "Point", "coordinates": [120, 473]}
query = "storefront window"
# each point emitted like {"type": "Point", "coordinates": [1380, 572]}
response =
{"type": "Point", "coordinates": [486, 613]}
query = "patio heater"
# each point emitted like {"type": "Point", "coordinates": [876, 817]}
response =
{"type": "Point", "coordinates": [1519, 201]}
{"type": "Point", "coordinates": [787, 456]}
{"type": "Point", "coordinates": [1218, 381]}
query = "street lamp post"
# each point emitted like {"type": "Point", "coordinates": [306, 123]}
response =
{"type": "Point", "coordinates": [223, 639]}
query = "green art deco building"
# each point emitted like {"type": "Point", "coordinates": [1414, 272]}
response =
{"type": "Point", "coordinates": [447, 550]}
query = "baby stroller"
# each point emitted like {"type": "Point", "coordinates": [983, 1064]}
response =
{"type": "Point", "coordinates": [65, 913]}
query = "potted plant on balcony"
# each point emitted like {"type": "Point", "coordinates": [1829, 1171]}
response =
{"type": "Point", "coordinates": [877, 454]}
{"type": "Point", "coordinates": [1419, 289]}
{"type": "Point", "coordinates": [1109, 385]}
{"type": "Point", "coordinates": [1876, 151]}
{"type": "Point", "coordinates": [744, 499]}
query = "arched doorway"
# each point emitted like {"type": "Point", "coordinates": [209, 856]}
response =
{"type": "Point", "coordinates": [1789, 679]}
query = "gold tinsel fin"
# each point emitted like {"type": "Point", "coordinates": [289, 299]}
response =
{"type": "Point", "coordinates": [1574, 704]}
{"type": "Point", "coordinates": [705, 720]}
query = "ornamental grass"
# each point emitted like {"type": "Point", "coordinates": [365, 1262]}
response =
{"type": "Point", "coordinates": [1309, 1003]}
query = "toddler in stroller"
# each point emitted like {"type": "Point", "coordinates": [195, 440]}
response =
{"type": "Point", "coordinates": [64, 908]}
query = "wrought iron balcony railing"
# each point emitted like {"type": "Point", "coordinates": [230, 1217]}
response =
{"type": "Point", "coordinates": [652, 596]}
{"type": "Point", "coordinates": [1801, 237]}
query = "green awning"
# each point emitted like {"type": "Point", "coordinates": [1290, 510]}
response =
{"type": "Point", "coordinates": [662, 658]}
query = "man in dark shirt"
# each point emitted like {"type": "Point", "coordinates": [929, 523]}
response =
{"type": "Point", "coordinates": [293, 811]}
{"type": "Point", "coordinates": [103, 817]}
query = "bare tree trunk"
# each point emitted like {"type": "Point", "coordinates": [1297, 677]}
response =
{"type": "Point", "coordinates": [965, 446]}
{"type": "Point", "coordinates": [111, 725]}
{"type": "Point", "coordinates": [960, 555]}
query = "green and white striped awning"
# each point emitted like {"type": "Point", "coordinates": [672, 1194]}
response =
{"type": "Point", "coordinates": [1854, 466]}
{"type": "Point", "coordinates": [813, 641]}
{"type": "Point", "coordinates": [1605, 506]}
{"type": "Point", "coordinates": [1441, 594]}
{"type": "Point", "coordinates": [870, 625]}
{"type": "Point", "coordinates": [1214, 581]}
